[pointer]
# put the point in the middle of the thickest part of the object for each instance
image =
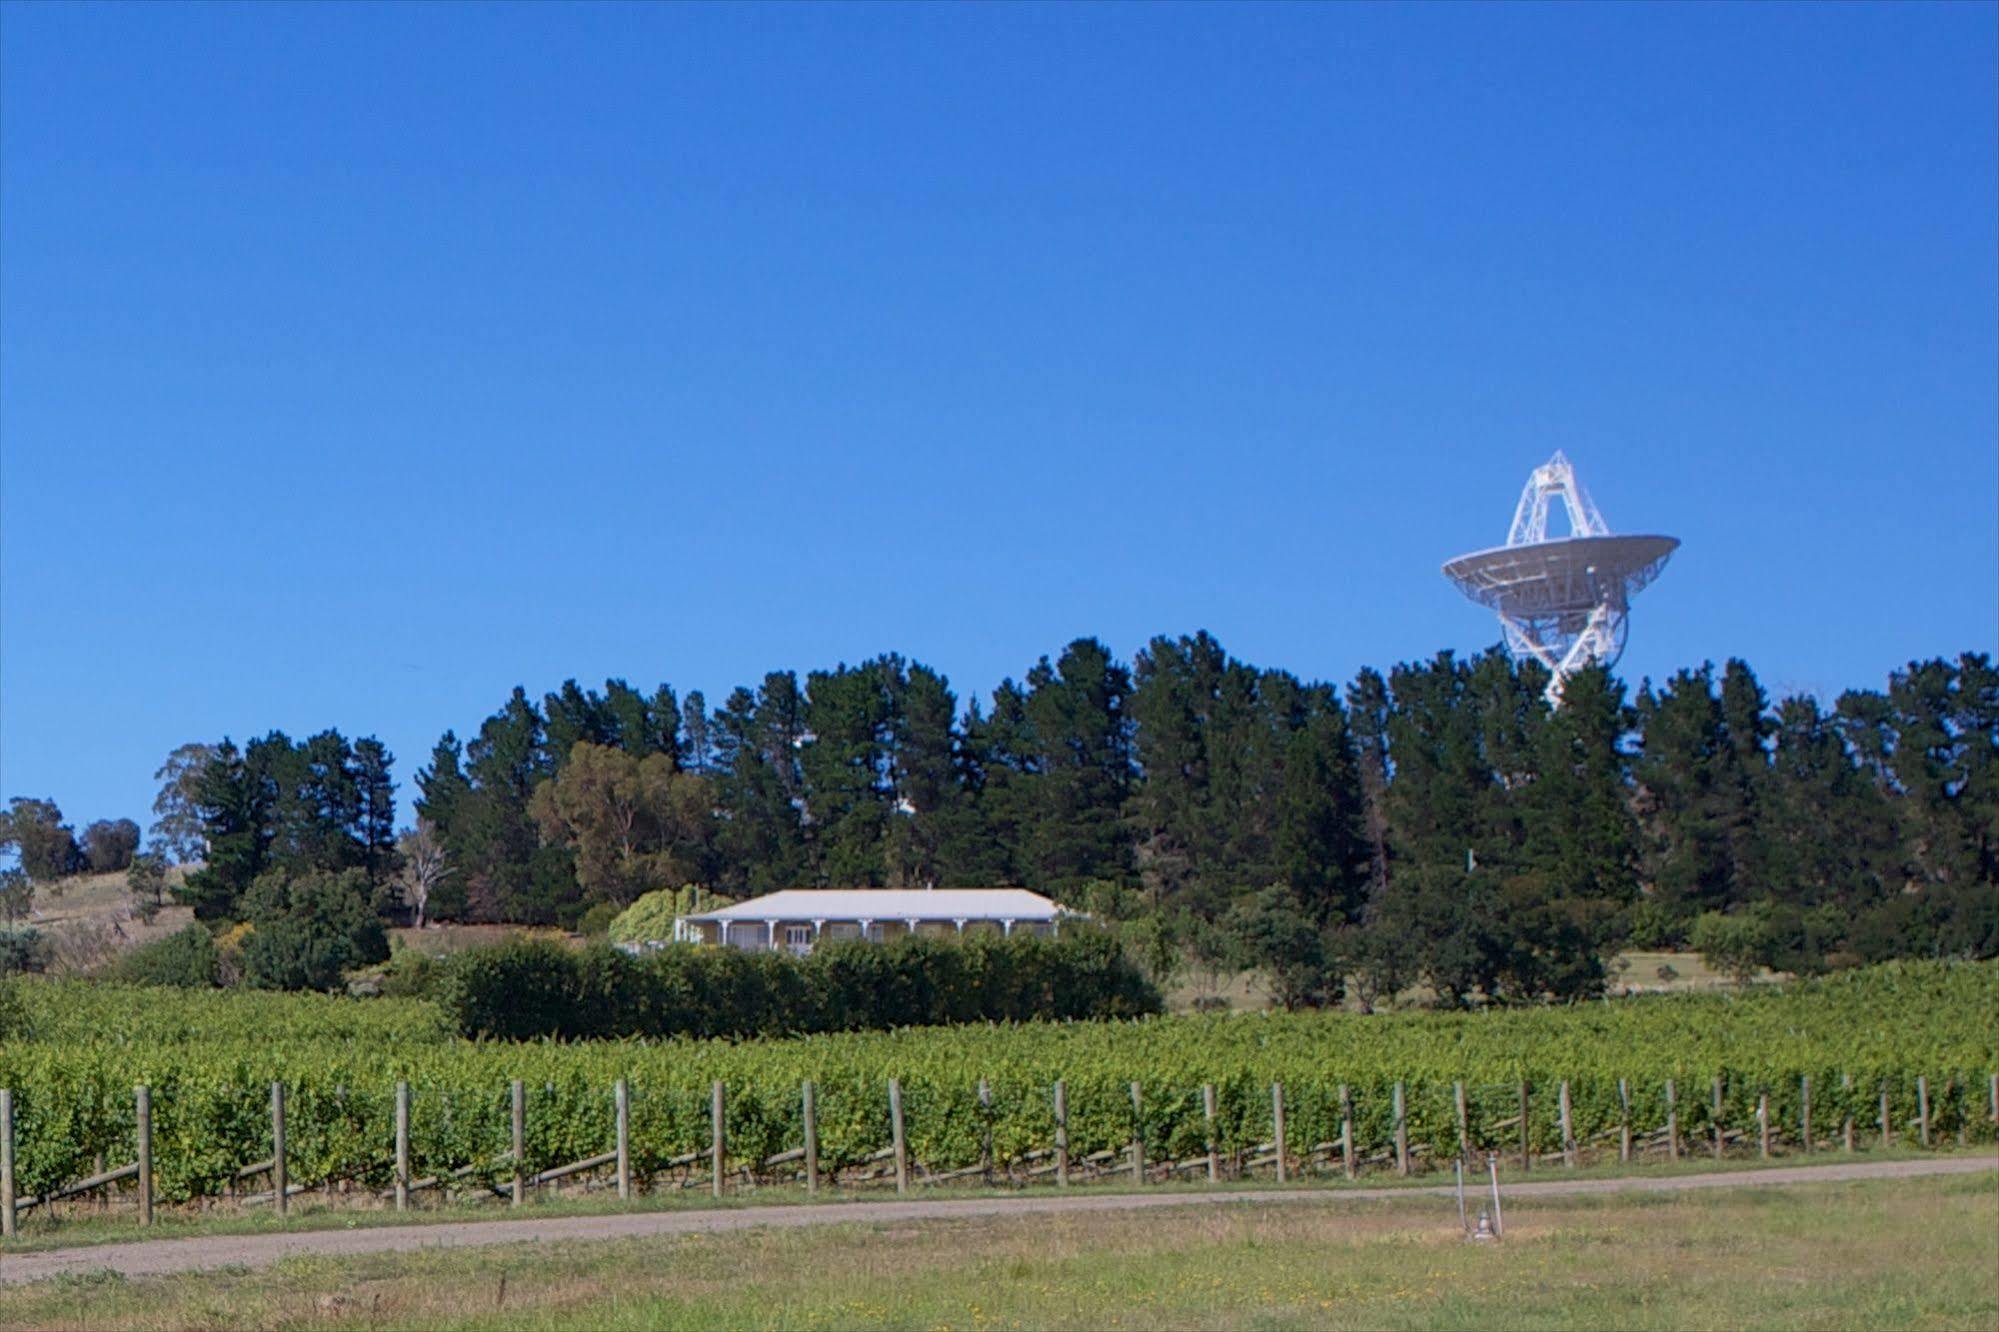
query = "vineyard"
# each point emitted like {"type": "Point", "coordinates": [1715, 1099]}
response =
{"type": "Point", "coordinates": [208, 1060]}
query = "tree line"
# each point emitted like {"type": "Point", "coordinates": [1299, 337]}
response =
{"type": "Point", "coordinates": [1437, 824]}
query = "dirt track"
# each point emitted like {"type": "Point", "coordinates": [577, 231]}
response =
{"type": "Point", "coordinates": [158, 1257]}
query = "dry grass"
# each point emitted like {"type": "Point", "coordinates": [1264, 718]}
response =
{"type": "Point", "coordinates": [90, 920]}
{"type": "Point", "coordinates": [1630, 973]}
{"type": "Point", "coordinates": [1914, 1253]}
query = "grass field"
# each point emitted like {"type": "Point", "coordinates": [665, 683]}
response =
{"type": "Point", "coordinates": [1920, 1253]}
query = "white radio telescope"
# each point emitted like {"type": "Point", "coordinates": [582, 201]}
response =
{"type": "Point", "coordinates": [1563, 600]}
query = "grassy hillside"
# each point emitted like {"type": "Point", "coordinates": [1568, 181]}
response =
{"type": "Point", "coordinates": [90, 921]}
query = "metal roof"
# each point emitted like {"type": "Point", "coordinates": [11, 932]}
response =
{"type": "Point", "coordinates": [891, 904]}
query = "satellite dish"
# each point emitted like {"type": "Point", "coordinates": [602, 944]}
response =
{"type": "Point", "coordinates": [1563, 602]}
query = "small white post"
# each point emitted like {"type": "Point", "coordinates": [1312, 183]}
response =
{"type": "Point", "coordinates": [623, 1094]}
{"type": "Point", "coordinates": [1498, 1218]}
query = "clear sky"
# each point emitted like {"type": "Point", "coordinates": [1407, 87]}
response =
{"type": "Point", "coordinates": [360, 362]}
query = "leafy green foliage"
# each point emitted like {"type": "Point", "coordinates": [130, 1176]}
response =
{"type": "Point", "coordinates": [320, 804]}
{"type": "Point", "coordinates": [1439, 823]}
{"type": "Point", "coordinates": [34, 831]}
{"type": "Point", "coordinates": [209, 1057]}
{"type": "Point", "coordinates": [526, 988]}
{"type": "Point", "coordinates": [650, 919]}
{"type": "Point", "coordinates": [14, 1020]}
{"type": "Point", "coordinates": [17, 895]}
{"type": "Point", "coordinates": [188, 958]}
{"type": "Point", "coordinates": [634, 824]}
{"type": "Point", "coordinates": [309, 929]}
{"type": "Point", "coordinates": [109, 845]}
{"type": "Point", "coordinates": [23, 948]}
{"type": "Point", "coordinates": [146, 880]}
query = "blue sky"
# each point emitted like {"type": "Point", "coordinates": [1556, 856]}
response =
{"type": "Point", "coordinates": [360, 362]}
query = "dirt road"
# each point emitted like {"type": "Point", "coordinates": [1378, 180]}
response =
{"type": "Point", "coordinates": [157, 1257]}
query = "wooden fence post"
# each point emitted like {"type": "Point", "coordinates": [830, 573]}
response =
{"type": "Point", "coordinates": [1137, 1136]}
{"type": "Point", "coordinates": [1526, 1147]}
{"type": "Point", "coordinates": [895, 1134]}
{"type": "Point", "coordinates": [1401, 1134]}
{"type": "Point", "coordinates": [278, 1180]}
{"type": "Point", "coordinates": [1208, 1117]}
{"type": "Point", "coordinates": [718, 1138]}
{"type": "Point", "coordinates": [985, 1130]}
{"type": "Point", "coordinates": [1672, 1124]}
{"type": "Point", "coordinates": [6, 1163]}
{"type": "Point", "coordinates": [1346, 1130]}
{"type": "Point", "coordinates": [1805, 1111]}
{"type": "Point", "coordinates": [1763, 1125]}
{"type": "Point", "coordinates": [811, 1137]}
{"type": "Point", "coordinates": [142, 1105]}
{"type": "Point", "coordinates": [1277, 1127]}
{"type": "Point", "coordinates": [1846, 1104]}
{"type": "Point", "coordinates": [1624, 1123]}
{"type": "Point", "coordinates": [402, 1146]}
{"type": "Point", "coordinates": [1719, 1142]}
{"type": "Point", "coordinates": [1992, 1093]}
{"type": "Point", "coordinates": [1568, 1129]}
{"type": "Point", "coordinates": [1464, 1122]}
{"type": "Point", "coordinates": [1061, 1135]}
{"type": "Point", "coordinates": [622, 1094]}
{"type": "Point", "coordinates": [1887, 1136]}
{"type": "Point", "coordinates": [1923, 1108]}
{"type": "Point", "coordinates": [520, 1100]}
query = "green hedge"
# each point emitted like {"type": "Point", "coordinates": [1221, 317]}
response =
{"type": "Point", "coordinates": [527, 988]}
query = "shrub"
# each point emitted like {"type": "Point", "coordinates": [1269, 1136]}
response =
{"type": "Point", "coordinates": [650, 919]}
{"type": "Point", "coordinates": [23, 949]}
{"type": "Point", "coordinates": [527, 988]}
{"type": "Point", "coordinates": [596, 922]}
{"type": "Point", "coordinates": [14, 1020]}
{"type": "Point", "coordinates": [187, 958]}
{"type": "Point", "coordinates": [146, 880]}
{"type": "Point", "coordinates": [411, 973]}
{"type": "Point", "coordinates": [309, 929]}
{"type": "Point", "coordinates": [1736, 945]}
{"type": "Point", "coordinates": [516, 989]}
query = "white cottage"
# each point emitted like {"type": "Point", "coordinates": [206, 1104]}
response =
{"type": "Point", "coordinates": [797, 918]}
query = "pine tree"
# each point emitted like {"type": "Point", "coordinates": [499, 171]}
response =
{"type": "Point", "coordinates": [375, 821]}
{"type": "Point", "coordinates": [925, 776]}
{"type": "Point", "coordinates": [1684, 772]}
{"type": "Point", "coordinates": [760, 789]}
{"type": "Point", "coordinates": [1579, 855]}
{"type": "Point", "coordinates": [845, 769]}
{"type": "Point", "coordinates": [1745, 711]}
{"type": "Point", "coordinates": [1322, 843]}
{"type": "Point", "coordinates": [1075, 708]}
{"type": "Point", "coordinates": [1367, 710]}
{"type": "Point", "coordinates": [1176, 685]}
{"type": "Point", "coordinates": [697, 744]}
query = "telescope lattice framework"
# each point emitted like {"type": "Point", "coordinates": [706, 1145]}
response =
{"type": "Point", "coordinates": [1566, 601]}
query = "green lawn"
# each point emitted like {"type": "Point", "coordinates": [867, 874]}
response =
{"type": "Point", "coordinates": [1920, 1253]}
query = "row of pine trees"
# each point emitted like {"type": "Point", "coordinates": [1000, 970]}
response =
{"type": "Point", "coordinates": [1439, 824]}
